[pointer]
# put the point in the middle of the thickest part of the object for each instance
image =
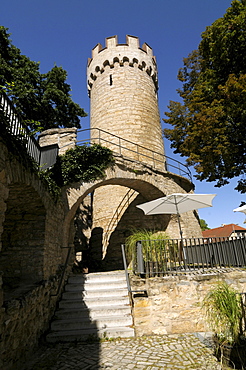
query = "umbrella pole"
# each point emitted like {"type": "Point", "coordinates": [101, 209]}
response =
{"type": "Point", "coordinates": [182, 243]}
{"type": "Point", "coordinates": [181, 233]}
{"type": "Point", "coordinates": [180, 230]}
{"type": "Point", "coordinates": [177, 210]}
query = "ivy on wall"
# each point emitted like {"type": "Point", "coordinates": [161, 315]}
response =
{"type": "Point", "coordinates": [82, 163]}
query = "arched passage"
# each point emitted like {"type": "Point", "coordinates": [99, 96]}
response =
{"type": "Point", "coordinates": [127, 217]}
{"type": "Point", "coordinates": [147, 182]}
{"type": "Point", "coordinates": [30, 226]}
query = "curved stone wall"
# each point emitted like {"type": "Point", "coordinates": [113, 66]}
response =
{"type": "Point", "coordinates": [122, 84]}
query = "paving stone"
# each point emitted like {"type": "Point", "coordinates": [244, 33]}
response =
{"type": "Point", "coordinates": [169, 352]}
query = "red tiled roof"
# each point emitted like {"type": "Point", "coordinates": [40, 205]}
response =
{"type": "Point", "coordinates": [222, 231]}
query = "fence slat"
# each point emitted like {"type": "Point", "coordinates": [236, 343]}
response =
{"type": "Point", "coordinates": [160, 257]}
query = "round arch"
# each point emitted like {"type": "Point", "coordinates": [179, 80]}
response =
{"type": "Point", "coordinates": [149, 182]}
{"type": "Point", "coordinates": [77, 194]}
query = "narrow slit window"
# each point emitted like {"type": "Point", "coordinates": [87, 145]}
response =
{"type": "Point", "coordinates": [110, 80]}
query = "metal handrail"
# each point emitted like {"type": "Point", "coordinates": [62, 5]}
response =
{"type": "Point", "coordinates": [124, 145]}
{"type": "Point", "coordinates": [130, 291]}
{"type": "Point", "coordinates": [125, 202]}
{"type": "Point", "coordinates": [44, 156]}
{"type": "Point", "coordinates": [16, 127]}
{"type": "Point", "coordinates": [64, 269]}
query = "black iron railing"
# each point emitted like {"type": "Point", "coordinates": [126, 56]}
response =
{"type": "Point", "coordinates": [160, 257]}
{"type": "Point", "coordinates": [133, 151]}
{"type": "Point", "coordinates": [43, 156]}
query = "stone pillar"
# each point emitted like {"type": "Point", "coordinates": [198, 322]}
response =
{"type": "Point", "coordinates": [64, 137]}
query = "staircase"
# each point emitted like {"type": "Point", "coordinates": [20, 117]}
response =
{"type": "Point", "coordinates": [93, 305]}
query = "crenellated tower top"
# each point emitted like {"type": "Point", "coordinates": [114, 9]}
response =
{"type": "Point", "coordinates": [129, 53]}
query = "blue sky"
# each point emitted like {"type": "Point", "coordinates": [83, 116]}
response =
{"type": "Point", "coordinates": [63, 32]}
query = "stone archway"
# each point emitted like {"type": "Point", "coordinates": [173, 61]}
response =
{"type": "Point", "coordinates": [30, 225]}
{"type": "Point", "coordinates": [149, 183]}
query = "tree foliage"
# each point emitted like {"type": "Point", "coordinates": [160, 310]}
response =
{"type": "Point", "coordinates": [42, 100]}
{"type": "Point", "coordinates": [204, 225]}
{"type": "Point", "coordinates": [209, 125]}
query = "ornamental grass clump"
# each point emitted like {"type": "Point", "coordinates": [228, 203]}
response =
{"type": "Point", "coordinates": [224, 313]}
{"type": "Point", "coordinates": [153, 243]}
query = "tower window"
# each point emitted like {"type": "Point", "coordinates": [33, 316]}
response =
{"type": "Point", "coordinates": [110, 80]}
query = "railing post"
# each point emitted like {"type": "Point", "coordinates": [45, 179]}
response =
{"type": "Point", "coordinates": [140, 261]}
{"type": "Point", "coordinates": [125, 267]}
{"type": "Point", "coordinates": [120, 146]}
{"type": "Point", "coordinates": [138, 153]}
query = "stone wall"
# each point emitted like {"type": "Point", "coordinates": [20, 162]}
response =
{"type": "Point", "coordinates": [32, 252]}
{"type": "Point", "coordinates": [173, 303]}
{"type": "Point", "coordinates": [64, 137]}
{"type": "Point", "coordinates": [31, 223]}
{"type": "Point", "coordinates": [23, 321]}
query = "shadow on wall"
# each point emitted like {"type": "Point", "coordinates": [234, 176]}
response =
{"type": "Point", "coordinates": [82, 225]}
{"type": "Point", "coordinates": [72, 320]}
{"type": "Point", "coordinates": [23, 239]}
{"type": "Point", "coordinates": [132, 218]}
{"type": "Point", "coordinates": [95, 250]}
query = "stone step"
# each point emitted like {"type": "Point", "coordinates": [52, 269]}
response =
{"type": "Point", "coordinates": [103, 322]}
{"type": "Point", "coordinates": [93, 332]}
{"type": "Point", "coordinates": [101, 285]}
{"type": "Point", "coordinates": [97, 277]}
{"type": "Point", "coordinates": [95, 305]}
{"type": "Point", "coordinates": [90, 303]}
{"type": "Point", "coordinates": [97, 312]}
{"type": "Point", "coordinates": [95, 293]}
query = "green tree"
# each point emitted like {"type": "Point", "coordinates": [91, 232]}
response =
{"type": "Point", "coordinates": [42, 100]}
{"type": "Point", "coordinates": [209, 125]}
{"type": "Point", "coordinates": [204, 225]}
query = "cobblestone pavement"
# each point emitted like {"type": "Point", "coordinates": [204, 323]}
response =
{"type": "Point", "coordinates": [171, 352]}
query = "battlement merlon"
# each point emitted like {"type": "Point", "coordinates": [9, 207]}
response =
{"type": "Point", "coordinates": [114, 53]}
{"type": "Point", "coordinates": [132, 42]}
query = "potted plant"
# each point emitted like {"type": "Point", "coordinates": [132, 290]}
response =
{"type": "Point", "coordinates": [225, 314]}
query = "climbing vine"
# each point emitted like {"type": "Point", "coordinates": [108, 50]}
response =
{"type": "Point", "coordinates": [82, 163]}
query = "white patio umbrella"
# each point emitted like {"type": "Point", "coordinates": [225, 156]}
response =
{"type": "Point", "coordinates": [176, 204]}
{"type": "Point", "coordinates": [241, 209]}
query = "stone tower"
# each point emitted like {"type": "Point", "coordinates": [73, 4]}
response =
{"type": "Point", "coordinates": [122, 85]}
